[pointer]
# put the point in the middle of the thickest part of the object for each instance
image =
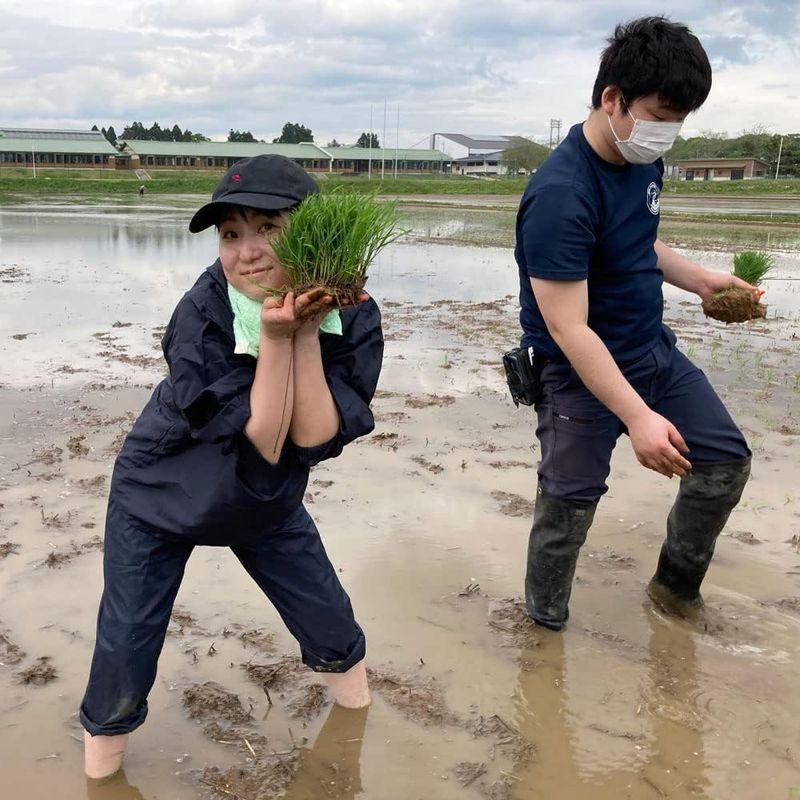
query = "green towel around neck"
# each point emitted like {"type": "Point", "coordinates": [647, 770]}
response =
{"type": "Point", "coordinates": [247, 322]}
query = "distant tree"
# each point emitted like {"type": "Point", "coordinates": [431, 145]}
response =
{"type": "Point", "coordinates": [95, 128]}
{"type": "Point", "coordinates": [363, 140]}
{"type": "Point", "coordinates": [333, 143]}
{"type": "Point", "coordinates": [111, 134]}
{"type": "Point", "coordinates": [526, 156]}
{"type": "Point", "coordinates": [294, 133]}
{"type": "Point", "coordinates": [240, 136]}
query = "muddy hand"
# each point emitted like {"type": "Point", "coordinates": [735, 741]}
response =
{"type": "Point", "coordinates": [278, 318]}
{"type": "Point", "coordinates": [313, 304]}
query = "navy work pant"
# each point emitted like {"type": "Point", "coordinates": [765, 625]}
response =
{"type": "Point", "coordinates": [142, 573]}
{"type": "Point", "coordinates": [577, 432]}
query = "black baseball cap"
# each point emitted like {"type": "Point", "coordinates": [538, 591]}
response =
{"type": "Point", "coordinates": [265, 182]}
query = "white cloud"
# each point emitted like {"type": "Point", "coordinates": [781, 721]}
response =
{"type": "Point", "coordinates": [506, 67]}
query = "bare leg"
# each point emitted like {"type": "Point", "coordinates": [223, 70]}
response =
{"type": "Point", "coordinates": [103, 754]}
{"type": "Point", "coordinates": [350, 688]}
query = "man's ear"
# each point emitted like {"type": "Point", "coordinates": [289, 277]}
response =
{"type": "Point", "coordinates": [611, 100]}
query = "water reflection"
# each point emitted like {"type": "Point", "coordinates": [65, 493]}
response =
{"type": "Point", "coordinates": [654, 750]}
{"type": "Point", "coordinates": [115, 787]}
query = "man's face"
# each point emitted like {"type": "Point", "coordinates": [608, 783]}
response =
{"type": "Point", "coordinates": [246, 253]}
{"type": "Point", "coordinates": [650, 107]}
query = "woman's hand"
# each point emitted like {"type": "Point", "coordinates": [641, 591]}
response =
{"type": "Point", "coordinates": [714, 282]}
{"type": "Point", "coordinates": [282, 317]}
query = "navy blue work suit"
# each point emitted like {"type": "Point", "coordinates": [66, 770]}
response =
{"type": "Point", "coordinates": [582, 218]}
{"type": "Point", "coordinates": [187, 475]}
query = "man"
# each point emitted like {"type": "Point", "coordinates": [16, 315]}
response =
{"type": "Point", "coordinates": [591, 269]}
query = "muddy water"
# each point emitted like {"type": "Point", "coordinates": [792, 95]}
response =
{"type": "Point", "coordinates": [427, 520]}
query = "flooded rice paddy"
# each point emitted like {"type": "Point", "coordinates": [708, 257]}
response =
{"type": "Point", "coordinates": [427, 519]}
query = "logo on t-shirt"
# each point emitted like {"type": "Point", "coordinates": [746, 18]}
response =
{"type": "Point", "coordinates": [653, 198]}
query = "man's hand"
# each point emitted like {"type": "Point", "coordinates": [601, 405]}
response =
{"type": "Point", "coordinates": [657, 444]}
{"type": "Point", "coordinates": [713, 282]}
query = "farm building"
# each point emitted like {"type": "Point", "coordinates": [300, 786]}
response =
{"type": "Point", "coordinates": [217, 155]}
{"type": "Point", "coordinates": [722, 169]}
{"type": "Point", "coordinates": [357, 159]}
{"type": "Point", "coordinates": [54, 149]}
{"type": "Point", "coordinates": [462, 145]}
{"type": "Point", "coordinates": [310, 156]}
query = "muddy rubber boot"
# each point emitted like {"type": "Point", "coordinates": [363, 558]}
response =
{"type": "Point", "coordinates": [706, 497]}
{"type": "Point", "coordinates": [559, 530]}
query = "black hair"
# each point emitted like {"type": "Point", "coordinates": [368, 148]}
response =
{"type": "Point", "coordinates": [652, 54]}
{"type": "Point", "coordinates": [240, 211]}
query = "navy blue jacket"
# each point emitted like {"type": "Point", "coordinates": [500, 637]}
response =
{"type": "Point", "coordinates": [187, 469]}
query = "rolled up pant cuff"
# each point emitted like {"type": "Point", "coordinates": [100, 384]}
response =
{"type": "Point", "coordinates": [357, 653]}
{"type": "Point", "coordinates": [115, 728]}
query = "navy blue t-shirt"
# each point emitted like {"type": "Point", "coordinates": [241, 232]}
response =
{"type": "Point", "coordinates": [582, 218]}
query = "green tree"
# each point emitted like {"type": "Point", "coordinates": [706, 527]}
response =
{"type": "Point", "coordinates": [111, 135]}
{"type": "Point", "coordinates": [526, 156]}
{"type": "Point", "coordinates": [333, 143]}
{"type": "Point", "coordinates": [364, 139]}
{"type": "Point", "coordinates": [294, 133]}
{"type": "Point", "coordinates": [240, 136]}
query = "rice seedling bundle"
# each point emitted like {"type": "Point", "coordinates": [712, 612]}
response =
{"type": "Point", "coordinates": [331, 239]}
{"type": "Point", "coordinates": [739, 305]}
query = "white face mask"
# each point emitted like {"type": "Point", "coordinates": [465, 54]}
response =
{"type": "Point", "coordinates": [648, 141]}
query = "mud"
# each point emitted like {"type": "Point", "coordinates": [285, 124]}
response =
{"type": "Point", "coordinates": [626, 702]}
{"type": "Point", "coordinates": [210, 700]}
{"type": "Point", "coordinates": [39, 673]}
{"type": "Point", "coordinates": [417, 697]}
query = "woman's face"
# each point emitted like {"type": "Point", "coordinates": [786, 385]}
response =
{"type": "Point", "coordinates": [245, 250]}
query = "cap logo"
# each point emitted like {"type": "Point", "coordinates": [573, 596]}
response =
{"type": "Point", "coordinates": [236, 177]}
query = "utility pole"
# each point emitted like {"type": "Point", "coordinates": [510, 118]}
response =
{"type": "Point", "coordinates": [555, 133]}
{"type": "Point", "coordinates": [780, 152]}
{"type": "Point", "coordinates": [383, 143]}
{"type": "Point", "coordinates": [369, 167]}
{"type": "Point", "coordinates": [397, 141]}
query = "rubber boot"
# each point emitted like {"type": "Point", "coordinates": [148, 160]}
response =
{"type": "Point", "coordinates": [706, 497]}
{"type": "Point", "coordinates": [559, 530]}
{"type": "Point", "coordinates": [103, 754]}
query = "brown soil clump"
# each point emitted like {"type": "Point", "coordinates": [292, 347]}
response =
{"type": "Point", "coordinates": [428, 465]}
{"type": "Point", "coordinates": [513, 505]}
{"type": "Point", "coordinates": [420, 699]}
{"type": "Point", "coordinates": [467, 772]}
{"type": "Point", "coordinates": [236, 736]}
{"type": "Point", "coordinates": [8, 548]}
{"type": "Point", "coordinates": [791, 605]}
{"type": "Point", "coordinates": [10, 653]}
{"type": "Point", "coordinates": [510, 464]}
{"type": "Point", "coordinates": [309, 701]}
{"type": "Point", "coordinates": [259, 638]}
{"type": "Point", "coordinates": [38, 674]}
{"type": "Point", "coordinates": [511, 617]}
{"type": "Point", "coordinates": [508, 740]}
{"type": "Point", "coordinates": [77, 447]}
{"type": "Point", "coordinates": [277, 674]}
{"type": "Point", "coordinates": [94, 486]}
{"type": "Point", "coordinates": [734, 305]}
{"type": "Point", "coordinates": [209, 699]}
{"type": "Point", "coordinates": [428, 400]}
{"type": "Point", "coordinates": [47, 455]}
{"type": "Point", "coordinates": [267, 778]}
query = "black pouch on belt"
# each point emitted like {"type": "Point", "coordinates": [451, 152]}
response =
{"type": "Point", "coordinates": [522, 373]}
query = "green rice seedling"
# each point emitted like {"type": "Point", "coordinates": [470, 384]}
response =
{"type": "Point", "coordinates": [752, 266]}
{"type": "Point", "coordinates": [739, 305]}
{"type": "Point", "coordinates": [331, 239]}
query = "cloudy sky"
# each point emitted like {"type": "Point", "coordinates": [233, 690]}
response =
{"type": "Point", "coordinates": [504, 67]}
